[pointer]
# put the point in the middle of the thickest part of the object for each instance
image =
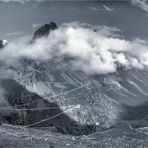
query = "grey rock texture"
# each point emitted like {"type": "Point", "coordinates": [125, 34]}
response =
{"type": "Point", "coordinates": [29, 108]}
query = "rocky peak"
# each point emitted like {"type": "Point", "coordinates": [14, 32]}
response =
{"type": "Point", "coordinates": [44, 30]}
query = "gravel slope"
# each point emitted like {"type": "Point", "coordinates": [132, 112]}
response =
{"type": "Point", "coordinates": [119, 136]}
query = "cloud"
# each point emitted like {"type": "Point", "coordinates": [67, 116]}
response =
{"type": "Point", "coordinates": [20, 1]}
{"type": "Point", "coordinates": [91, 51]}
{"type": "Point", "coordinates": [36, 25]}
{"type": "Point", "coordinates": [93, 8]}
{"type": "Point", "coordinates": [141, 3]}
{"type": "Point", "coordinates": [17, 33]}
{"type": "Point", "coordinates": [107, 8]}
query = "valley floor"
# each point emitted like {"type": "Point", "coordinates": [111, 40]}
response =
{"type": "Point", "coordinates": [117, 137]}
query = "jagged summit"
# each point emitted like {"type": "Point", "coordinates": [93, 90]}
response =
{"type": "Point", "coordinates": [44, 30]}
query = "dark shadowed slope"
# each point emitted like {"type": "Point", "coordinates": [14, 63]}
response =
{"type": "Point", "coordinates": [135, 112]}
{"type": "Point", "coordinates": [27, 108]}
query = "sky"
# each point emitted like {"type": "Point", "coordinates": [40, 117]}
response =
{"type": "Point", "coordinates": [22, 18]}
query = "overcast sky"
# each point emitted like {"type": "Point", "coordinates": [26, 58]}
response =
{"type": "Point", "coordinates": [17, 19]}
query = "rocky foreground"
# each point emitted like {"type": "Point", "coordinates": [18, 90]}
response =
{"type": "Point", "coordinates": [120, 136]}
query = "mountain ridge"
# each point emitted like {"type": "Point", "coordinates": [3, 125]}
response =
{"type": "Point", "coordinates": [59, 86]}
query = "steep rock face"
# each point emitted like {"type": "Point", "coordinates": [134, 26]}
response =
{"type": "Point", "coordinates": [44, 30]}
{"type": "Point", "coordinates": [27, 108]}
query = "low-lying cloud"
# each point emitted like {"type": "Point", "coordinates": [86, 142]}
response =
{"type": "Point", "coordinates": [141, 3]}
{"type": "Point", "coordinates": [20, 1]}
{"type": "Point", "coordinates": [108, 8]}
{"type": "Point", "coordinates": [93, 50]}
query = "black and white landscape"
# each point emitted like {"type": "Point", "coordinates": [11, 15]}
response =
{"type": "Point", "coordinates": [74, 74]}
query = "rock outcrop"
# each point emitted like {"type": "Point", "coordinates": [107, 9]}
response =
{"type": "Point", "coordinates": [44, 30]}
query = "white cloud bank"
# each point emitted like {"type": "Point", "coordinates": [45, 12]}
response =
{"type": "Point", "coordinates": [93, 52]}
{"type": "Point", "coordinates": [141, 3]}
{"type": "Point", "coordinates": [108, 8]}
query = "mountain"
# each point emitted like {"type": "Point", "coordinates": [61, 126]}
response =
{"type": "Point", "coordinates": [56, 82]}
{"type": "Point", "coordinates": [98, 100]}
{"type": "Point", "coordinates": [27, 108]}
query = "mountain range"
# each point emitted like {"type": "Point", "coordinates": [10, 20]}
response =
{"type": "Point", "coordinates": [43, 94]}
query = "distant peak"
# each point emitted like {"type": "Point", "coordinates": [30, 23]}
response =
{"type": "Point", "coordinates": [44, 30]}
